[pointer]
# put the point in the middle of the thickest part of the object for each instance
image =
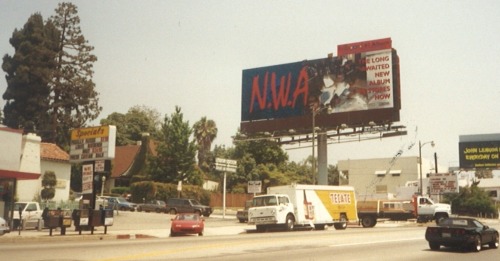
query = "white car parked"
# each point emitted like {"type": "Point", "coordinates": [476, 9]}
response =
{"type": "Point", "coordinates": [4, 227]}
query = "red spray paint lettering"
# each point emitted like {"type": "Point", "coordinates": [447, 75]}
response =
{"type": "Point", "coordinates": [279, 97]}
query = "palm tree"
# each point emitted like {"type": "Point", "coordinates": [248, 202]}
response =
{"type": "Point", "coordinates": [205, 132]}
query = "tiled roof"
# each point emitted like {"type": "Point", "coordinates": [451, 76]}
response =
{"type": "Point", "coordinates": [124, 158]}
{"type": "Point", "coordinates": [50, 151]}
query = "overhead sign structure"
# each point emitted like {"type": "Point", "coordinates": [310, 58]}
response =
{"type": "Point", "coordinates": [360, 85]}
{"type": "Point", "coordinates": [94, 143]}
{"type": "Point", "coordinates": [441, 183]}
{"type": "Point", "coordinates": [479, 151]}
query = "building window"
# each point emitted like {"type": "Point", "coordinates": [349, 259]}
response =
{"type": "Point", "coordinates": [381, 189]}
{"type": "Point", "coordinates": [395, 173]}
{"type": "Point", "coordinates": [380, 173]}
{"type": "Point", "coordinates": [493, 194]}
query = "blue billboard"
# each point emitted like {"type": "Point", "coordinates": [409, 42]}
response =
{"type": "Point", "coordinates": [361, 83]}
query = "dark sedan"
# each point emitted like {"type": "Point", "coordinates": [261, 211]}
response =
{"type": "Point", "coordinates": [158, 206]}
{"type": "Point", "coordinates": [461, 232]}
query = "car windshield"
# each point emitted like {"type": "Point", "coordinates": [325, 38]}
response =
{"type": "Point", "coordinates": [121, 200]}
{"type": "Point", "coordinates": [265, 201]}
{"type": "Point", "coordinates": [454, 222]}
{"type": "Point", "coordinates": [195, 202]}
{"type": "Point", "coordinates": [17, 206]}
{"type": "Point", "coordinates": [192, 217]}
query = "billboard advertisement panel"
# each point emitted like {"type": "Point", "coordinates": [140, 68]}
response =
{"type": "Point", "coordinates": [361, 84]}
{"type": "Point", "coordinates": [441, 183]}
{"type": "Point", "coordinates": [479, 154]}
{"type": "Point", "coordinates": [94, 143]}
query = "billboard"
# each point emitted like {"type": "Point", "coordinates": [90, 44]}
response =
{"type": "Point", "coordinates": [94, 143]}
{"type": "Point", "coordinates": [441, 183]}
{"type": "Point", "coordinates": [360, 85]}
{"type": "Point", "coordinates": [479, 151]}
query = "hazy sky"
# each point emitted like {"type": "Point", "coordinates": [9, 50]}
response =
{"type": "Point", "coordinates": [192, 53]}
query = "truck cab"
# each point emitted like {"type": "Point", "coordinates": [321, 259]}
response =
{"type": "Point", "coordinates": [427, 210]}
{"type": "Point", "coordinates": [271, 210]}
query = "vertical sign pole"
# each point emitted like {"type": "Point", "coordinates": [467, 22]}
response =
{"type": "Point", "coordinates": [224, 198]}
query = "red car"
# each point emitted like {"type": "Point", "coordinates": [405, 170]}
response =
{"type": "Point", "coordinates": [187, 223]}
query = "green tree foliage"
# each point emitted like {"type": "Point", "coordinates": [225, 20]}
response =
{"type": "Point", "coordinates": [148, 190]}
{"type": "Point", "coordinates": [28, 73]}
{"type": "Point", "coordinates": [471, 201]}
{"type": "Point", "coordinates": [335, 177]}
{"type": "Point", "coordinates": [175, 160]}
{"type": "Point", "coordinates": [75, 100]}
{"type": "Point", "coordinates": [205, 132]}
{"type": "Point", "coordinates": [49, 182]}
{"type": "Point", "coordinates": [264, 151]}
{"type": "Point", "coordinates": [131, 126]}
{"type": "Point", "coordinates": [49, 78]}
{"type": "Point", "coordinates": [76, 177]}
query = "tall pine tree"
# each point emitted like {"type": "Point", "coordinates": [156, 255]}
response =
{"type": "Point", "coordinates": [75, 100]}
{"type": "Point", "coordinates": [29, 73]}
{"type": "Point", "coordinates": [49, 77]}
{"type": "Point", "coordinates": [175, 160]}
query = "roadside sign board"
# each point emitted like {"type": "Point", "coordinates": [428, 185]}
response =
{"type": "Point", "coordinates": [99, 166]}
{"type": "Point", "coordinates": [87, 173]}
{"type": "Point", "coordinates": [255, 186]}
{"type": "Point", "coordinates": [227, 165]}
{"type": "Point", "coordinates": [441, 183]}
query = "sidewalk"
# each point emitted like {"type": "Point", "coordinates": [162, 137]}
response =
{"type": "Point", "coordinates": [131, 225]}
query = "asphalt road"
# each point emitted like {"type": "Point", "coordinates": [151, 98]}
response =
{"type": "Point", "coordinates": [354, 243]}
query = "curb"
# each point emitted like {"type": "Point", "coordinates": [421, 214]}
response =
{"type": "Point", "coordinates": [134, 236]}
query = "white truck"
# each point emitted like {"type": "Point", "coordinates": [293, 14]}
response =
{"type": "Point", "coordinates": [316, 206]}
{"type": "Point", "coordinates": [31, 214]}
{"type": "Point", "coordinates": [420, 207]}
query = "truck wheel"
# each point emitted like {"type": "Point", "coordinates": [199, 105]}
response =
{"type": "Point", "coordinates": [289, 223]}
{"type": "Point", "coordinates": [241, 220]}
{"type": "Point", "coordinates": [368, 221]}
{"type": "Point", "coordinates": [261, 228]}
{"type": "Point", "coordinates": [478, 244]}
{"type": "Point", "coordinates": [342, 224]}
{"type": "Point", "coordinates": [434, 246]}
{"type": "Point", "coordinates": [439, 217]}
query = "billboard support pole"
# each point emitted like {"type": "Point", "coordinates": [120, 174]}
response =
{"type": "Point", "coordinates": [313, 145]}
{"type": "Point", "coordinates": [322, 160]}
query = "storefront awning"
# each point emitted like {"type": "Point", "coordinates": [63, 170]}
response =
{"type": "Point", "coordinates": [18, 174]}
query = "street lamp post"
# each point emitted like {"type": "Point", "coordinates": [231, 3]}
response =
{"type": "Point", "coordinates": [420, 145]}
{"type": "Point", "coordinates": [313, 141]}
